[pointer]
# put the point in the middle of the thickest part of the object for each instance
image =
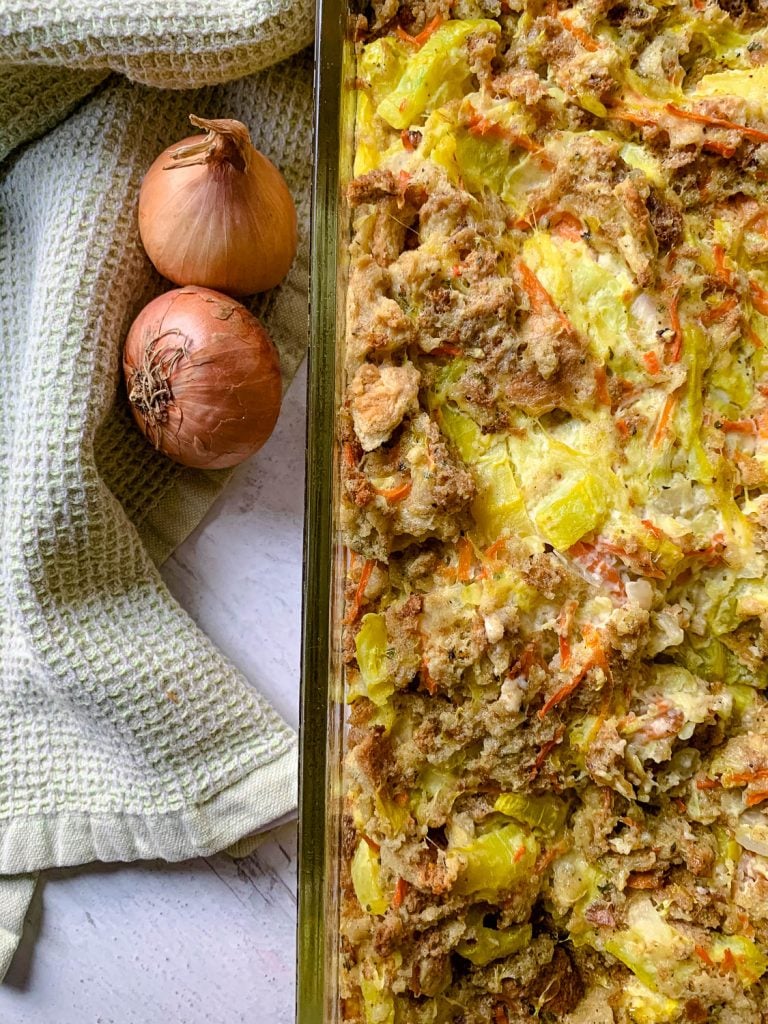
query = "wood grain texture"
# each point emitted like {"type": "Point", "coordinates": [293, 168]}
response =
{"type": "Point", "coordinates": [211, 941]}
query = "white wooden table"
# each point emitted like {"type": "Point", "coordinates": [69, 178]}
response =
{"type": "Point", "coordinates": [208, 941]}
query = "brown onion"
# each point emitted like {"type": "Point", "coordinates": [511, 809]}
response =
{"type": "Point", "coordinates": [213, 211]}
{"type": "Point", "coordinates": [203, 378]}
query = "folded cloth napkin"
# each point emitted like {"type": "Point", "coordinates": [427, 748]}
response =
{"type": "Point", "coordinates": [125, 733]}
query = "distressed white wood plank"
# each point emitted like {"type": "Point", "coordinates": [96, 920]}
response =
{"type": "Point", "coordinates": [136, 945]}
{"type": "Point", "coordinates": [209, 941]}
{"type": "Point", "coordinates": [239, 574]}
{"type": "Point", "coordinates": [267, 875]}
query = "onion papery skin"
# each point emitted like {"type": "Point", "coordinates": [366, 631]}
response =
{"type": "Point", "coordinates": [203, 378]}
{"type": "Point", "coordinates": [216, 225]}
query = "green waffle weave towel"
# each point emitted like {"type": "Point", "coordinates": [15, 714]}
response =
{"type": "Point", "coordinates": [124, 733]}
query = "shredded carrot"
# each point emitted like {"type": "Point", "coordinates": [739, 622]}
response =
{"type": "Point", "coordinates": [500, 1014]}
{"type": "Point", "coordinates": [721, 148]}
{"type": "Point", "coordinates": [538, 294]}
{"type": "Point", "coordinates": [707, 783]}
{"type": "Point", "coordinates": [716, 313]}
{"type": "Point", "coordinates": [569, 227]}
{"type": "Point", "coordinates": [531, 218]}
{"type": "Point", "coordinates": [598, 725]}
{"type": "Point", "coordinates": [674, 319]}
{"type": "Point", "coordinates": [529, 658]}
{"type": "Point", "coordinates": [657, 532]}
{"type": "Point", "coordinates": [623, 428]}
{"type": "Point", "coordinates": [592, 560]}
{"type": "Point", "coordinates": [445, 350]}
{"type": "Point", "coordinates": [601, 385]}
{"type": "Point", "coordinates": [722, 272]}
{"type": "Point", "coordinates": [546, 750]}
{"type": "Point", "coordinates": [365, 575]}
{"type": "Point", "coordinates": [565, 651]}
{"type": "Point", "coordinates": [744, 778]}
{"type": "Point", "coordinates": [619, 113]}
{"type": "Point", "coordinates": [630, 822]}
{"type": "Point", "coordinates": [464, 568]}
{"type": "Point", "coordinates": [580, 35]}
{"type": "Point", "coordinates": [567, 615]}
{"type": "Point", "coordinates": [522, 666]}
{"type": "Point", "coordinates": [481, 126]}
{"type": "Point", "coordinates": [495, 548]}
{"type": "Point", "coordinates": [713, 553]}
{"type": "Point", "coordinates": [717, 122]}
{"type": "Point", "coordinates": [456, 270]}
{"type": "Point", "coordinates": [680, 805]}
{"type": "Point", "coordinates": [703, 954]}
{"type": "Point", "coordinates": [753, 336]}
{"type": "Point", "coordinates": [759, 297]}
{"type": "Point", "coordinates": [756, 798]}
{"type": "Point", "coordinates": [729, 960]}
{"type": "Point", "coordinates": [407, 140]}
{"type": "Point", "coordinates": [643, 880]}
{"type": "Point", "coordinates": [393, 494]}
{"type": "Point", "coordinates": [757, 219]}
{"type": "Point", "coordinates": [565, 691]}
{"type": "Point", "coordinates": [628, 389]}
{"type": "Point", "coordinates": [373, 845]}
{"type": "Point", "coordinates": [652, 364]}
{"type": "Point", "coordinates": [348, 454]}
{"type": "Point", "coordinates": [401, 888]}
{"type": "Point", "coordinates": [594, 639]}
{"type": "Point", "coordinates": [429, 29]}
{"type": "Point", "coordinates": [666, 415]}
{"type": "Point", "coordinates": [490, 555]}
{"type": "Point", "coordinates": [519, 853]}
{"type": "Point", "coordinates": [424, 35]}
{"type": "Point", "coordinates": [401, 799]}
{"type": "Point", "coordinates": [699, 4]}
{"type": "Point", "coordinates": [737, 426]}
{"type": "Point", "coordinates": [429, 683]}
{"type": "Point", "coordinates": [640, 562]}
{"type": "Point", "coordinates": [596, 658]}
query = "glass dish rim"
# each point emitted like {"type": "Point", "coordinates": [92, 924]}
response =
{"type": "Point", "coordinates": [320, 718]}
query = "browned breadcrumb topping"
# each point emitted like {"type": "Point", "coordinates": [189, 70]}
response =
{"type": "Point", "coordinates": [554, 451]}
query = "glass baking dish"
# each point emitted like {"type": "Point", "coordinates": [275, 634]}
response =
{"type": "Point", "coordinates": [322, 697]}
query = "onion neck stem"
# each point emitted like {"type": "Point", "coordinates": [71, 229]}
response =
{"type": "Point", "coordinates": [225, 141]}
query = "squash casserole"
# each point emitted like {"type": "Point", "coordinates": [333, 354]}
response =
{"type": "Point", "coordinates": [554, 503]}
